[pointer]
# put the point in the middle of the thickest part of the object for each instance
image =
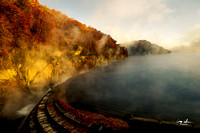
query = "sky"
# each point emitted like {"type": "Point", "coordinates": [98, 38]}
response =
{"type": "Point", "coordinates": [168, 23]}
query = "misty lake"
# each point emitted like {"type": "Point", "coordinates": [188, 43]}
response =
{"type": "Point", "coordinates": [164, 87]}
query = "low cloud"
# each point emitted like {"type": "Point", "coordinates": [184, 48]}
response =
{"type": "Point", "coordinates": [129, 20]}
{"type": "Point", "coordinates": [191, 41]}
{"type": "Point", "coordinates": [151, 11]}
{"type": "Point", "coordinates": [199, 12]}
{"type": "Point", "coordinates": [124, 20]}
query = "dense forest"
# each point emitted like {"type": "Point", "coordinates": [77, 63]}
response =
{"type": "Point", "coordinates": [40, 47]}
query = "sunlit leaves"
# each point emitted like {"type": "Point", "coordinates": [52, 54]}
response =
{"type": "Point", "coordinates": [41, 44]}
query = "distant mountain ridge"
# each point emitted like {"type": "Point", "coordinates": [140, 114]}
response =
{"type": "Point", "coordinates": [144, 47]}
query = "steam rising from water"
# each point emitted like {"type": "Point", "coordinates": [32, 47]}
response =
{"type": "Point", "coordinates": [162, 87]}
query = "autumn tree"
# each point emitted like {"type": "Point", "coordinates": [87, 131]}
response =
{"type": "Point", "coordinates": [31, 34]}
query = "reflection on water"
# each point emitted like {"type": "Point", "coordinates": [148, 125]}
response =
{"type": "Point", "coordinates": [165, 87]}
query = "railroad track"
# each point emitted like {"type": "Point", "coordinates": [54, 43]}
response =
{"type": "Point", "coordinates": [53, 115]}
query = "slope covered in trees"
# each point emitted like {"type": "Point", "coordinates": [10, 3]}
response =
{"type": "Point", "coordinates": [143, 47]}
{"type": "Point", "coordinates": [39, 46]}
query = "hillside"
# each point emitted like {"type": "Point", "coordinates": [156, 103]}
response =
{"type": "Point", "coordinates": [41, 47]}
{"type": "Point", "coordinates": [143, 47]}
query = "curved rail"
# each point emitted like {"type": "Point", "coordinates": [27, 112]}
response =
{"type": "Point", "coordinates": [51, 114]}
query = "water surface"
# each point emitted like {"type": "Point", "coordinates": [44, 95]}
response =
{"type": "Point", "coordinates": [165, 87]}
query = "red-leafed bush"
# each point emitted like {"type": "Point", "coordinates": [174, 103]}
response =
{"type": "Point", "coordinates": [88, 118]}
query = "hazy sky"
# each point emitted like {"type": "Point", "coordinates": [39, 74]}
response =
{"type": "Point", "coordinates": [168, 23]}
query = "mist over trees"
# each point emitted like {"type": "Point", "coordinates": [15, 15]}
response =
{"type": "Point", "coordinates": [41, 47]}
{"type": "Point", "coordinates": [143, 47]}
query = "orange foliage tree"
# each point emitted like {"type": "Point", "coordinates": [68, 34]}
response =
{"type": "Point", "coordinates": [25, 24]}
